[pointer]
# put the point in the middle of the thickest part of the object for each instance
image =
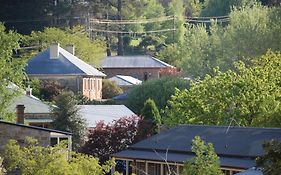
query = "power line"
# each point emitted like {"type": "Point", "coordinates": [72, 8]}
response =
{"type": "Point", "coordinates": [131, 32]}
{"type": "Point", "coordinates": [206, 21]}
{"type": "Point", "coordinates": [137, 21]}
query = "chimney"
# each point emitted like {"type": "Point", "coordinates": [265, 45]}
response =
{"type": "Point", "coordinates": [20, 114]}
{"type": "Point", "coordinates": [70, 49]}
{"type": "Point", "coordinates": [28, 91]}
{"type": "Point", "coordinates": [54, 51]}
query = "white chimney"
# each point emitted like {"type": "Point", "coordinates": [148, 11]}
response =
{"type": "Point", "coordinates": [28, 91]}
{"type": "Point", "coordinates": [54, 51]}
{"type": "Point", "coordinates": [70, 49]}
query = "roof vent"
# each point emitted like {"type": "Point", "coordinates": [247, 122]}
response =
{"type": "Point", "coordinates": [70, 49]}
{"type": "Point", "coordinates": [54, 51]}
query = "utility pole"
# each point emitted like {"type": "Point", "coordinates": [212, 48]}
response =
{"type": "Point", "coordinates": [120, 50]}
{"type": "Point", "coordinates": [108, 50]}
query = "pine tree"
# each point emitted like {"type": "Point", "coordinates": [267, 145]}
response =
{"type": "Point", "coordinates": [151, 114]}
{"type": "Point", "coordinates": [66, 117]}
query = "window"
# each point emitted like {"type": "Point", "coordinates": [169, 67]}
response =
{"type": "Point", "coordinates": [140, 168]}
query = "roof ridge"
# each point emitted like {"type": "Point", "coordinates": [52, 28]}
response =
{"type": "Point", "coordinates": [70, 58]}
{"type": "Point", "coordinates": [224, 126]}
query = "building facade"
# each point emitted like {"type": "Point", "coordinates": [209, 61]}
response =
{"type": "Point", "coordinates": [143, 67]}
{"type": "Point", "coordinates": [62, 66]}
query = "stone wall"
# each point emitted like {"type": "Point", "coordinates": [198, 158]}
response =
{"type": "Point", "coordinates": [16, 132]}
{"type": "Point", "coordinates": [77, 84]}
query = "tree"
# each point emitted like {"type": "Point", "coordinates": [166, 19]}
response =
{"type": "Point", "coordinates": [106, 139]}
{"type": "Point", "coordinates": [49, 89]}
{"type": "Point", "coordinates": [2, 170]}
{"type": "Point", "coordinates": [249, 96]}
{"type": "Point", "coordinates": [151, 115]}
{"type": "Point", "coordinates": [67, 118]}
{"type": "Point", "coordinates": [271, 161]}
{"type": "Point", "coordinates": [110, 89]}
{"type": "Point", "coordinates": [205, 161]}
{"type": "Point", "coordinates": [33, 159]}
{"type": "Point", "coordinates": [159, 90]}
{"type": "Point", "coordinates": [11, 69]}
{"type": "Point", "coordinates": [251, 31]}
{"type": "Point", "coordinates": [86, 49]}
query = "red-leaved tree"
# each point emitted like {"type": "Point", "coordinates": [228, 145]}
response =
{"type": "Point", "coordinates": [106, 139]}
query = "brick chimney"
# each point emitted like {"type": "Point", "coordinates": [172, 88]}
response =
{"type": "Point", "coordinates": [28, 91]}
{"type": "Point", "coordinates": [70, 49]}
{"type": "Point", "coordinates": [54, 51]}
{"type": "Point", "coordinates": [20, 114]}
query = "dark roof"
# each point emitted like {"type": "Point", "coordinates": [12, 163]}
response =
{"type": "Point", "coordinates": [123, 96]}
{"type": "Point", "coordinates": [232, 144]}
{"type": "Point", "coordinates": [66, 63]}
{"type": "Point", "coordinates": [138, 61]}
{"type": "Point", "coordinates": [35, 127]}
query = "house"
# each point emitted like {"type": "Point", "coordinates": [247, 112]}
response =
{"type": "Point", "coordinates": [142, 67]}
{"type": "Point", "coordinates": [237, 148]}
{"type": "Point", "coordinates": [107, 113]}
{"type": "Point", "coordinates": [37, 113]}
{"type": "Point", "coordinates": [125, 82]}
{"type": "Point", "coordinates": [19, 131]}
{"type": "Point", "coordinates": [63, 66]}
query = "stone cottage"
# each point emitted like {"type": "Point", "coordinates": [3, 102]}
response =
{"type": "Point", "coordinates": [64, 67]}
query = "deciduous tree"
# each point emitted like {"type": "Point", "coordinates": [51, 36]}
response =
{"type": "Point", "coordinates": [11, 69]}
{"type": "Point", "coordinates": [249, 96]}
{"type": "Point", "coordinates": [205, 161]}
{"type": "Point", "coordinates": [33, 159]}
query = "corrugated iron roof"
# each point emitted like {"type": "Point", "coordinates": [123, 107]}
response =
{"type": "Point", "coordinates": [233, 142]}
{"type": "Point", "coordinates": [107, 113]}
{"type": "Point", "coordinates": [122, 80]}
{"type": "Point", "coordinates": [138, 61]}
{"type": "Point", "coordinates": [66, 63]}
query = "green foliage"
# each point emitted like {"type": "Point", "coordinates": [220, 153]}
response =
{"type": "Point", "coordinates": [33, 159]}
{"type": "Point", "coordinates": [2, 170]}
{"type": "Point", "coordinates": [250, 96]}
{"type": "Point", "coordinates": [110, 89]}
{"type": "Point", "coordinates": [171, 54]}
{"type": "Point", "coordinates": [86, 49]}
{"type": "Point", "coordinates": [251, 32]}
{"type": "Point", "coordinates": [67, 118]}
{"type": "Point", "coordinates": [205, 161]}
{"type": "Point", "coordinates": [159, 90]}
{"type": "Point", "coordinates": [151, 114]}
{"type": "Point", "coordinates": [11, 69]}
{"type": "Point", "coordinates": [222, 7]}
{"type": "Point", "coordinates": [271, 161]}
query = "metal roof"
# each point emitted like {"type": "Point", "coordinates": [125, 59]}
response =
{"type": "Point", "coordinates": [123, 80]}
{"type": "Point", "coordinates": [35, 127]}
{"type": "Point", "coordinates": [174, 157]}
{"type": "Point", "coordinates": [138, 61]}
{"type": "Point", "coordinates": [32, 105]}
{"type": "Point", "coordinates": [107, 113]}
{"type": "Point", "coordinates": [251, 171]}
{"type": "Point", "coordinates": [123, 96]}
{"type": "Point", "coordinates": [66, 64]}
{"type": "Point", "coordinates": [232, 142]}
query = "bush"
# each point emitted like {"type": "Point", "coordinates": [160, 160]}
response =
{"type": "Point", "coordinates": [159, 90]}
{"type": "Point", "coordinates": [110, 89]}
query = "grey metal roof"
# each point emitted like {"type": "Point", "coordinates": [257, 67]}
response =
{"type": "Point", "coordinates": [123, 96]}
{"type": "Point", "coordinates": [66, 64]}
{"type": "Point", "coordinates": [251, 171]}
{"type": "Point", "coordinates": [35, 127]}
{"type": "Point", "coordinates": [174, 157]}
{"type": "Point", "coordinates": [235, 142]}
{"type": "Point", "coordinates": [106, 113]}
{"type": "Point", "coordinates": [123, 80]}
{"type": "Point", "coordinates": [138, 61]}
{"type": "Point", "coordinates": [32, 105]}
